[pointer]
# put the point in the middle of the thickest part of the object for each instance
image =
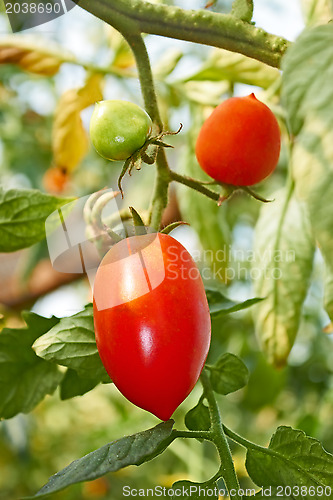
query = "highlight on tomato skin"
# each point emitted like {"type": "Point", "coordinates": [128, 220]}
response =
{"type": "Point", "coordinates": [239, 143]}
{"type": "Point", "coordinates": [152, 321]}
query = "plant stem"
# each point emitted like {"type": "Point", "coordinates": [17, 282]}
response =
{"type": "Point", "coordinates": [194, 184]}
{"type": "Point", "coordinates": [192, 434]}
{"type": "Point", "coordinates": [219, 438]}
{"type": "Point", "coordinates": [139, 50]}
{"type": "Point", "coordinates": [249, 445]}
{"type": "Point", "coordinates": [242, 441]}
{"type": "Point", "coordinates": [105, 70]}
{"type": "Point", "coordinates": [160, 196]}
{"type": "Point", "coordinates": [199, 26]}
{"type": "Point", "coordinates": [209, 436]}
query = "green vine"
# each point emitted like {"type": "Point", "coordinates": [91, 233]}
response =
{"type": "Point", "coordinates": [227, 469]}
{"type": "Point", "coordinates": [200, 26]}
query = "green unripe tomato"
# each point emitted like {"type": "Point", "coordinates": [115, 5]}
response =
{"type": "Point", "coordinates": [118, 129]}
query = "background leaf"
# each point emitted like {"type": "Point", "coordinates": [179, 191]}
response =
{"type": "Point", "coordinates": [25, 379]}
{"type": "Point", "coordinates": [284, 250]}
{"type": "Point", "coordinates": [308, 94]}
{"type": "Point", "coordinates": [22, 217]}
{"type": "Point", "coordinates": [236, 68]}
{"type": "Point", "coordinates": [219, 304]}
{"type": "Point", "coordinates": [122, 55]}
{"type": "Point", "coordinates": [328, 298]}
{"type": "Point", "coordinates": [204, 92]}
{"type": "Point", "coordinates": [30, 55]}
{"type": "Point", "coordinates": [307, 71]}
{"type": "Point", "coordinates": [73, 385]}
{"type": "Point", "coordinates": [69, 138]}
{"type": "Point", "coordinates": [167, 63]}
{"type": "Point", "coordinates": [243, 9]}
{"type": "Point", "coordinates": [317, 11]}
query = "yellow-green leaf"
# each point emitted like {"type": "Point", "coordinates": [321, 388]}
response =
{"type": "Point", "coordinates": [284, 250]}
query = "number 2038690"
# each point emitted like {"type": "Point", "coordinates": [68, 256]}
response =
{"type": "Point", "coordinates": [33, 8]}
{"type": "Point", "coordinates": [303, 491]}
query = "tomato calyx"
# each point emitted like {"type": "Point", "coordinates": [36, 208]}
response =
{"type": "Point", "coordinates": [228, 190]}
{"type": "Point", "coordinates": [170, 227]}
{"type": "Point", "coordinates": [139, 226]}
{"type": "Point", "coordinates": [255, 195]}
{"type": "Point", "coordinates": [146, 154]}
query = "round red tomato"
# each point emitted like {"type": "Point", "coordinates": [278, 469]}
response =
{"type": "Point", "coordinates": [239, 143]}
{"type": "Point", "coordinates": [152, 321]}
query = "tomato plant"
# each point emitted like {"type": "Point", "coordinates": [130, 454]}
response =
{"type": "Point", "coordinates": [239, 143]}
{"type": "Point", "coordinates": [147, 325]}
{"type": "Point", "coordinates": [118, 128]}
{"type": "Point", "coordinates": [152, 321]}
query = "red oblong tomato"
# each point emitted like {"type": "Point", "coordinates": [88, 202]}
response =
{"type": "Point", "coordinates": [152, 321]}
{"type": "Point", "coordinates": [239, 143]}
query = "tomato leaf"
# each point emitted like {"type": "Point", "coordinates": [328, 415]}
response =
{"type": "Point", "coordinates": [73, 385]}
{"type": "Point", "coordinates": [196, 491]}
{"type": "Point", "coordinates": [220, 305]}
{"type": "Point", "coordinates": [317, 12]}
{"type": "Point", "coordinates": [292, 460]}
{"type": "Point", "coordinates": [307, 68]}
{"type": "Point", "coordinates": [167, 63]}
{"type": "Point", "coordinates": [243, 9]}
{"type": "Point", "coordinates": [223, 65]}
{"type": "Point", "coordinates": [25, 379]}
{"type": "Point", "coordinates": [69, 137]}
{"type": "Point", "coordinates": [129, 450]}
{"type": "Point", "coordinates": [284, 250]}
{"type": "Point", "coordinates": [229, 374]}
{"type": "Point", "coordinates": [72, 343]}
{"type": "Point", "coordinates": [206, 93]}
{"type": "Point", "coordinates": [328, 298]}
{"type": "Point", "coordinates": [22, 217]}
{"type": "Point", "coordinates": [198, 418]}
{"type": "Point", "coordinates": [308, 95]}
